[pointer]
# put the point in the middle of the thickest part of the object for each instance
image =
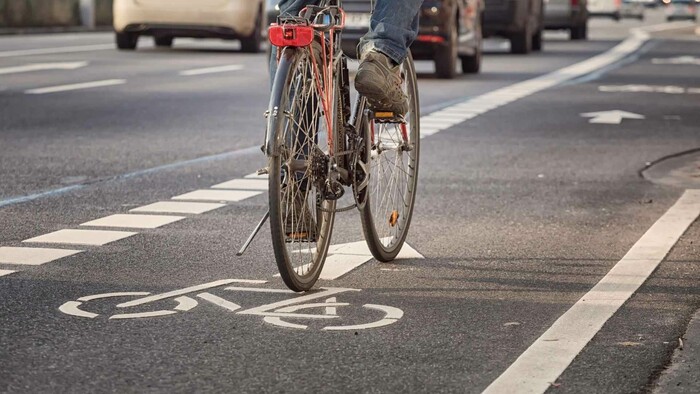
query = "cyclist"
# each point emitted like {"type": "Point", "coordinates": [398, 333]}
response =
{"type": "Point", "coordinates": [393, 27]}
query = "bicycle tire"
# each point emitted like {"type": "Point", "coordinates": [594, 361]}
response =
{"type": "Point", "coordinates": [292, 180]}
{"type": "Point", "coordinates": [385, 223]}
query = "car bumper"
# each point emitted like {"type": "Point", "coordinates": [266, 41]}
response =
{"type": "Point", "coordinates": [234, 18]}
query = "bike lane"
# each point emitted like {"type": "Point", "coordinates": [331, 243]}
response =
{"type": "Point", "coordinates": [516, 224]}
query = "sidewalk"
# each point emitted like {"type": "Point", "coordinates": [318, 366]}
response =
{"type": "Point", "coordinates": [683, 376]}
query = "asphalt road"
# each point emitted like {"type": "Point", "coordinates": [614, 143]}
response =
{"type": "Point", "coordinates": [522, 209]}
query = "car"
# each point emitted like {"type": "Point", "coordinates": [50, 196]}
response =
{"type": "Point", "coordinates": [632, 9]}
{"type": "Point", "coordinates": [449, 30]}
{"type": "Point", "coordinates": [682, 9]}
{"type": "Point", "coordinates": [569, 15]}
{"type": "Point", "coordinates": [521, 21]}
{"type": "Point", "coordinates": [166, 20]}
{"type": "Point", "coordinates": [605, 8]}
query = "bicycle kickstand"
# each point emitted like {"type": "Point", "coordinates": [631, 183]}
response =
{"type": "Point", "coordinates": [255, 232]}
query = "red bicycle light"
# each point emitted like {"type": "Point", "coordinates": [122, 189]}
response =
{"type": "Point", "coordinates": [291, 35]}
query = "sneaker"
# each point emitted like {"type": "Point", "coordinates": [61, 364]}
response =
{"type": "Point", "coordinates": [380, 81]}
{"type": "Point", "coordinates": [299, 225]}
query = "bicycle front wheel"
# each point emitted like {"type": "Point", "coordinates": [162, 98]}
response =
{"type": "Point", "coordinates": [301, 218]}
{"type": "Point", "coordinates": [392, 162]}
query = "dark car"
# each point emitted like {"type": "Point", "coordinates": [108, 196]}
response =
{"type": "Point", "coordinates": [449, 30]}
{"type": "Point", "coordinates": [521, 21]}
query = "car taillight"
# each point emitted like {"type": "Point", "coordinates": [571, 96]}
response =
{"type": "Point", "coordinates": [574, 3]}
{"type": "Point", "coordinates": [291, 35]}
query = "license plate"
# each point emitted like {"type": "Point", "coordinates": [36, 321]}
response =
{"type": "Point", "coordinates": [357, 20]}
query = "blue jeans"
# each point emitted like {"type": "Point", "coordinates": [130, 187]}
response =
{"type": "Point", "coordinates": [393, 27]}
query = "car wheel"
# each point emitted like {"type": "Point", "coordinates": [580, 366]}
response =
{"type": "Point", "coordinates": [579, 32]}
{"type": "Point", "coordinates": [127, 41]}
{"type": "Point", "coordinates": [446, 55]}
{"type": "Point", "coordinates": [521, 43]}
{"type": "Point", "coordinates": [164, 41]}
{"type": "Point", "coordinates": [537, 41]}
{"type": "Point", "coordinates": [472, 64]}
{"type": "Point", "coordinates": [253, 43]}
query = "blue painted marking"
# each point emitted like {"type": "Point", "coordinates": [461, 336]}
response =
{"type": "Point", "coordinates": [67, 189]}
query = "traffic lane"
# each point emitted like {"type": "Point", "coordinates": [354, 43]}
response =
{"type": "Point", "coordinates": [532, 280]}
{"type": "Point", "coordinates": [113, 122]}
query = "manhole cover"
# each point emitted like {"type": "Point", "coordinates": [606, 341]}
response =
{"type": "Point", "coordinates": [681, 171]}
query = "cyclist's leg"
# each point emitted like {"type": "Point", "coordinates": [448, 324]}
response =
{"type": "Point", "coordinates": [393, 28]}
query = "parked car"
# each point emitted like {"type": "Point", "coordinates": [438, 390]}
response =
{"type": "Point", "coordinates": [450, 30]}
{"type": "Point", "coordinates": [632, 9]}
{"type": "Point", "coordinates": [521, 21]}
{"type": "Point", "coordinates": [606, 8]}
{"type": "Point", "coordinates": [682, 9]}
{"type": "Point", "coordinates": [166, 20]}
{"type": "Point", "coordinates": [569, 15]}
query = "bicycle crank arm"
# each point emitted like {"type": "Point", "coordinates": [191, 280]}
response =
{"type": "Point", "coordinates": [255, 232]}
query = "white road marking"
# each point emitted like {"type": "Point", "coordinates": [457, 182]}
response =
{"type": "Point", "coordinates": [391, 317]}
{"type": "Point", "coordinates": [668, 89]}
{"type": "Point", "coordinates": [71, 308]}
{"type": "Point", "coordinates": [217, 195]}
{"type": "Point", "coordinates": [42, 67]}
{"type": "Point", "coordinates": [134, 221]}
{"type": "Point", "coordinates": [219, 301]}
{"type": "Point", "coordinates": [76, 86]}
{"type": "Point", "coordinates": [176, 293]}
{"type": "Point", "coordinates": [50, 51]}
{"type": "Point", "coordinates": [692, 60]}
{"type": "Point", "coordinates": [179, 207]}
{"type": "Point", "coordinates": [542, 363]}
{"type": "Point", "coordinates": [611, 117]}
{"type": "Point", "coordinates": [6, 272]}
{"type": "Point", "coordinates": [141, 315]}
{"type": "Point", "coordinates": [81, 237]}
{"type": "Point", "coordinates": [111, 295]}
{"type": "Point", "coordinates": [33, 256]}
{"type": "Point", "coordinates": [343, 258]}
{"type": "Point", "coordinates": [212, 70]}
{"type": "Point", "coordinates": [243, 184]}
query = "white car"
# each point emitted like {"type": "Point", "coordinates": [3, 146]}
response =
{"type": "Point", "coordinates": [167, 19]}
{"type": "Point", "coordinates": [609, 8]}
{"type": "Point", "coordinates": [632, 9]}
{"type": "Point", "coordinates": [682, 9]}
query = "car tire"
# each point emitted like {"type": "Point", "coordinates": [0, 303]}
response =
{"type": "Point", "coordinates": [537, 43]}
{"type": "Point", "coordinates": [126, 41]}
{"type": "Point", "coordinates": [446, 55]}
{"type": "Point", "coordinates": [164, 41]}
{"type": "Point", "coordinates": [579, 32]}
{"type": "Point", "coordinates": [521, 43]}
{"type": "Point", "coordinates": [471, 64]}
{"type": "Point", "coordinates": [253, 43]}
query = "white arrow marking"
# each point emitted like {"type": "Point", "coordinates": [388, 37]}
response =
{"type": "Point", "coordinates": [42, 67]}
{"type": "Point", "coordinates": [611, 117]}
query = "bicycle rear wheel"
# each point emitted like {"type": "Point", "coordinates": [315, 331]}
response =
{"type": "Point", "coordinates": [392, 162]}
{"type": "Point", "coordinates": [301, 218]}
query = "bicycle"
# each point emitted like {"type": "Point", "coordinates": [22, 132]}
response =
{"type": "Point", "coordinates": [317, 145]}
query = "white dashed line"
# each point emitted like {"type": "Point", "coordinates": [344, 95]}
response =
{"type": "Point", "coordinates": [243, 184]}
{"type": "Point", "coordinates": [76, 86]}
{"type": "Point", "coordinates": [542, 363]}
{"type": "Point", "coordinates": [49, 51]}
{"type": "Point", "coordinates": [6, 272]}
{"type": "Point", "coordinates": [33, 256]}
{"type": "Point", "coordinates": [217, 195]}
{"type": "Point", "coordinates": [195, 208]}
{"type": "Point", "coordinates": [81, 237]}
{"type": "Point", "coordinates": [212, 70]}
{"type": "Point", "coordinates": [134, 221]}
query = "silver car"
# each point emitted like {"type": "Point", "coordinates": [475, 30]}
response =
{"type": "Point", "coordinates": [682, 9]}
{"type": "Point", "coordinates": [569, 15]}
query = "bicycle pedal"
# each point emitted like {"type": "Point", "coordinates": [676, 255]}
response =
{"type": "Point", "coordinates": [263, 171]}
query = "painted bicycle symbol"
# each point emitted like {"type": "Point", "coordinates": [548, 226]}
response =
{"type": "Point", "coordinates": [297, 308]}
